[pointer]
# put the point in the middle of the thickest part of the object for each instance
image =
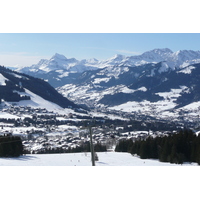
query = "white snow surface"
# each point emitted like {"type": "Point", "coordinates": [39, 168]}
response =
{"type": "Point", "coordinates": [145, 106]}
{"type": "Point", "coordinates": [99, 80]}
{"type": "Point", "coordinates": [83, 159]}
{"type": "Point", "coordinates": [2, 80]}
{"type": "Point", "coordinates": [187, 70]}
{"type": "Point", "coordinates": [8, 116]}
{"type": "Point", "coordinates": [161, 107]}
{"type": "Point", "coordinates": [38, 102]}
{"type": "Point", "coordinates": [192, 106]}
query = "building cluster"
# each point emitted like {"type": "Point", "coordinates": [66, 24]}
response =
{"type": "Point", "coordinates": [41, 129]}
{"type": "Point", "coordinates": [19, 110]}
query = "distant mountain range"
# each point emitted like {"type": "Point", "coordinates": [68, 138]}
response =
{"type": "Point", "coordinates": [60, 70]}
{"type": "Point", "coordinates": [158, 82]}
{"type": "Point", "coordinates": [60, 62]}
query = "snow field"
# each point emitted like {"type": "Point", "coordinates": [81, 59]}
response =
{"type": "Point", "coordinates": [83, 159]}
{"type": "Point", "coordinates": [2, 80]}
{"type": "Point", "coordinates": [109, 182]}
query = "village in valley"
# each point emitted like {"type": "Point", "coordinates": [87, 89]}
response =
{"type": "Point", "coordinates": [44, 131]}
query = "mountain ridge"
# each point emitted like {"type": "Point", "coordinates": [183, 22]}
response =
{"type": "Point", "coordinates": [15, 87]}
{"type": "Point", "coordinates": [60, 62]}
{"type": "Point", "coordinates": [158, 81]}
{"type": "Point", "coordinates": [59, 70]}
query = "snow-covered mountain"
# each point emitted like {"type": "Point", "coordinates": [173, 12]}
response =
{"type": "Point", "coordinates": [60, 62]}
{"type": "Point", "coordinates": [173, 59]}
{"type": "Point", "coordinates": [151, 89]}
{"type": "Point", "coordinates": [60, 70]}
{"type": "Point", "coordinates": [157, 82]}
{"type": "Point", "coordinates": [20, 89]}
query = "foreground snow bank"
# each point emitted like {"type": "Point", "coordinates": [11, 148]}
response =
{"type": "Point", "coordinates": [82, 159]}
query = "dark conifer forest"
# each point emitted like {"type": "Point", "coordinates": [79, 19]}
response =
{"type": "Point", "coordinates": [10, 146]}
{"type": "Point", "coordinates": [183, 146]}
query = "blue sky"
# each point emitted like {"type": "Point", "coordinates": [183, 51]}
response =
{"type": "Point", "coordinates": [94, 29]}
{"type": "Point", "coordinates": [25, 49]}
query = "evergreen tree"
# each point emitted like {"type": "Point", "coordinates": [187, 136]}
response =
{"type": "Point", "coordinates": [173, 155]}
{"type": "Point", "coordinates": [144, 150]}
{"type": "Point", "coordinates": [177, 148]}
{"type": "Point", "coordinates": [10, 146]}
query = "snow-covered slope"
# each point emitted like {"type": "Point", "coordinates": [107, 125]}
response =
{"type": "Point", "coordinates": [35, 102]}
{"type": "Point", "coordinates": [21, 89]}
{"type": "Point", "coordinates": [2, 80]}
{"type": "Point", "coordinates": [83, 159]}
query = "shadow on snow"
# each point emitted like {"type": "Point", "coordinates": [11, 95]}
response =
{"type": "Point", "coordinates": [22, 158]}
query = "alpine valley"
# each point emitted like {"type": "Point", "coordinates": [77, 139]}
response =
{"type": "Point", "coordinates": [158, 83]}
{"type": "Point", "coordinates": [50, 105]}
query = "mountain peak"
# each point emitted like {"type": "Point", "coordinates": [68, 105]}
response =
{"type": "Point", "coordinates": [92, 60]}
{"type": "Point", "coordinates": [160, 51]}
{"type": "Point", "coordinates": [58, 56]}
{"type": "Point", "coordinates": [117, 57]}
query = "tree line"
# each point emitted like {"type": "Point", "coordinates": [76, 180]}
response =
{"type": "Point", "coordinates": [183, 146]}
{"type": "Point", "coordinates": [10, 146]}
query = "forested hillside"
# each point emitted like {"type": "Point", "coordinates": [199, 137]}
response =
{"type": "Point", "coordinates": [13, 85]}
{"type": "Point", "coordinates": [175, 148]}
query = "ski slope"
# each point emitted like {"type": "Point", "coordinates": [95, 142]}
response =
{"type": "Point", "coordinates": [83, 159]}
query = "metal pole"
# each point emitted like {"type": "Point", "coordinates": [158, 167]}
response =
{"type": "Point", "coordinates": [91, 146]}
